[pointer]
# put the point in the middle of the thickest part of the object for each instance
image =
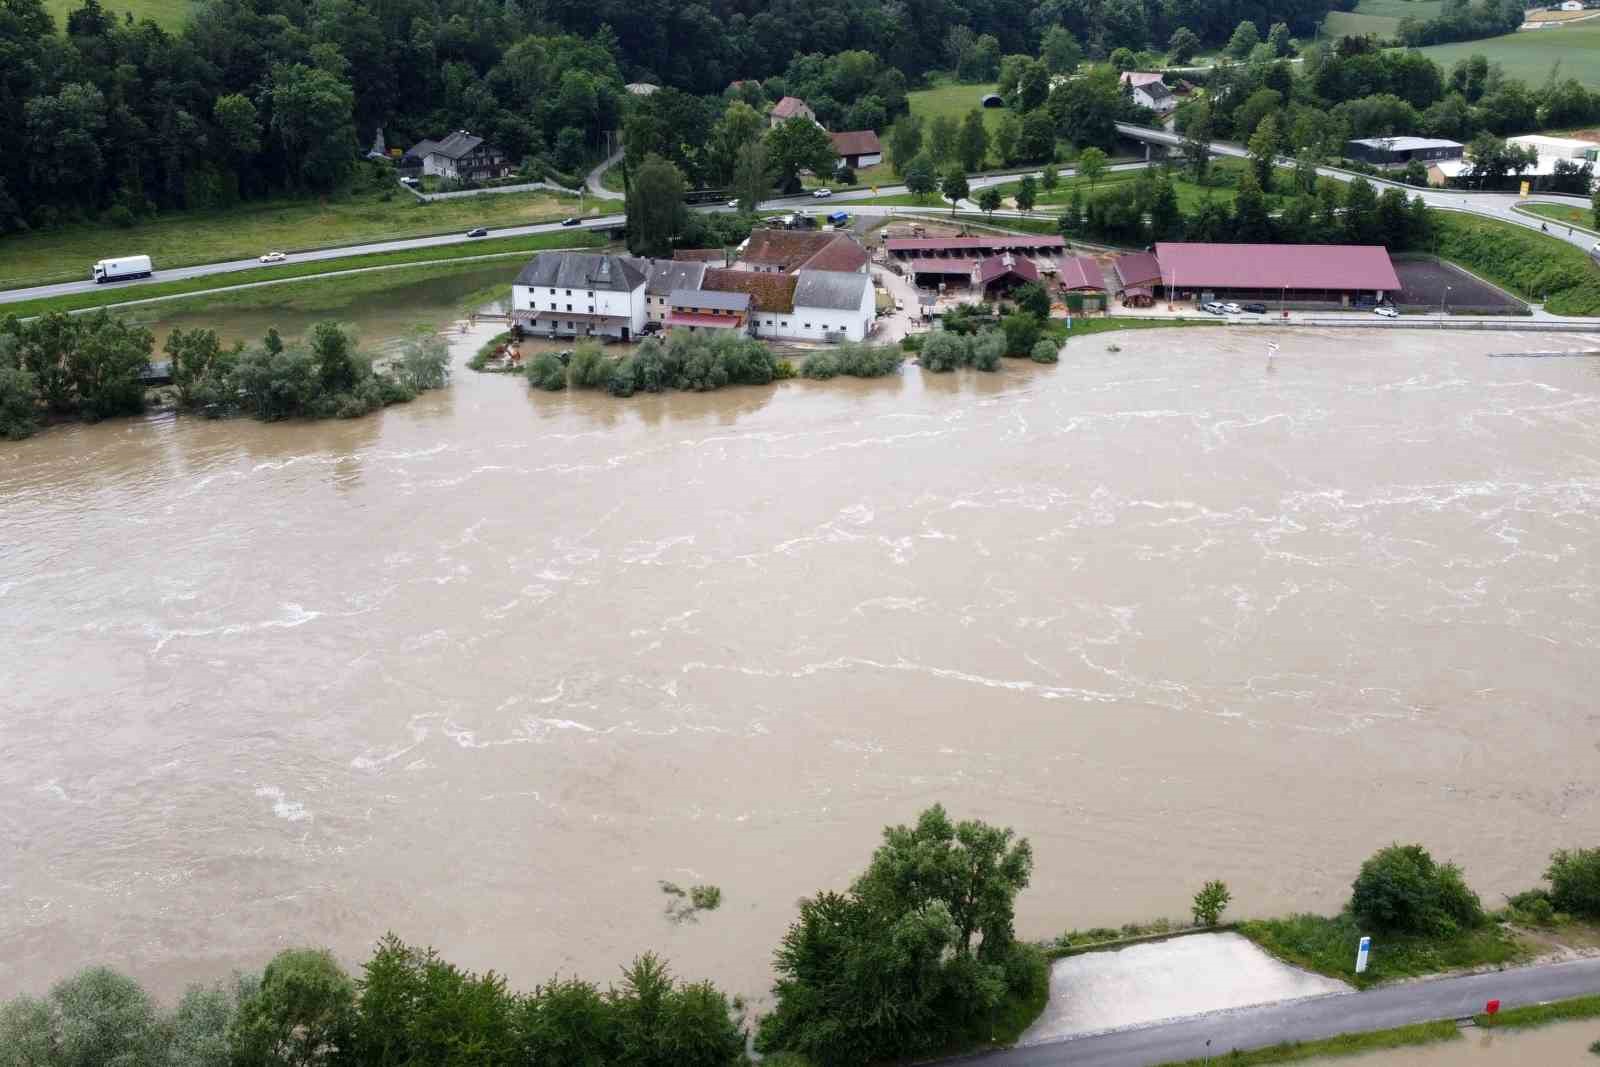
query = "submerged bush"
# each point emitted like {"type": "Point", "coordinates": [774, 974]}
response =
{"type": "Point", "coordinates": [1045, 351]}
{"type": "Point", "coordinates": [945, 350]}
{"type": "Point", "coordinates": [1401, 889]}
{"type": "Point", "coordinates": [1575, 881]}
{"type": "Point", "coordinates": [546, 371]}
{"type": "Point", "coordinates": [19, 403]}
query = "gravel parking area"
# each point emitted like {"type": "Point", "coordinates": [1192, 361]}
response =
{"type": "Point", "coordinates": [1423, 283]}
{"type": "Point", "coordinates": [1185, 976]}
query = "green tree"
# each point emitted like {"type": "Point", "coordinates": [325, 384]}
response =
{"type": "Point", "coordinates": [1394, 219]}
{"type": "Point", "coordinates": [798, 144]}
{"type": "Point", "coordinates": [972, 144]}
{"type": "Point", "coordinates": [105, 365]}
{"type": "Point", "coordinates": [1594, 207]}
{"type": "Point", "coordinates": [303, 1014]}
{"type": "Point", "coordinates": [239, 124]}
{"type": "Point", "coordinates": [1034, 86]}
{"type": "Point", "coordinates": [942, 134]}
{"type": "Point", "coordinates": [1278, 39]}
{"type": "Point", "coordinates": [662, 1024]}
{"type": "Point", "coordinates": [1045, 351]}
{"type": "Point", "coordinates": [1197, 135]}
{"type": "Point", "coordinates": [655, 207]}
{"type": "Point", "coordinates": [954, 186]}
{"type": "Point", "coordinates": [101, 1017]}
{"type": "Point", "coordinates": [1034, 299]}
{"type": "Point", "coordinates": [1122, 59]}
{"type": "Point", "coordinates": [1038, 141]}
{"type": "Point", "coordinates": [1166, 214]}
{"type": "Point", "coordinates": [989, 200]}
{"type": "Point", "coordinates": [1027, 193]}
{"type": "Point", "coordinates": [905, 141]}
{"type": "Point", "coordinates": [198, 1029]}
{"type": "Point", "coordinates": [1183, 45]}
{"type": "Point", "coordinates": [1400, 889]}
{"type": "Point", "coordinates": [19, 403]}
{"type": "Point", "coordinates": [752, 176]}
{"type": "Point", "coordinates": [1575, 881]}
{"type": "Point", "coordinates": [920, 178]}
{"type": "Point", "coordinates": [1360, 219]}
{"type": "Point", "coordinates": [1245, 38]}
{"type": "Point", "coordinates": [424, 360]}
{"type": "Point", "coordinates": [739, 127]}
{"type": "Point", "coordinates": [1049, 177]}
{"type": "Point", "coordinates": [1263, 149]}
{"type": "Point", "coordinates": [196, 356]}
{"type": "Point", "coordinates": [1091, 166]}
{"type": "Point", "coordinates": [1022, 332]}
{"type": "Point", "coordinates": [312, 116]}
{"type": "Point", "coordinates": [1250, 219]}
{"type": "Point", "coordinates": [1007, 136]}
{"type": "Point", "coordinates": [1210, 903]}
{"type": "Point", "coordinates": [1060, 50]}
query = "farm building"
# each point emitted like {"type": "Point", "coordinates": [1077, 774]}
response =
{"type": "Point", "coordinates": [1083, 282]}
{"type": "Point", "coordinates": [1391, 151]}
{"type": "Point", "coordinates": [857, 148]}
{"type": "Point", "coordinates": [1137, 276]}
{"type": "Point", "coordinates": [1334, 274]}
{"type": "Point", "coordinates": [703, 309]}
{"type": "Point", "coordinates": [580, 294]}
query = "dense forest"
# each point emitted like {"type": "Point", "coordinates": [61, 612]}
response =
{"type": "Point", "coordinates": [258, 98]}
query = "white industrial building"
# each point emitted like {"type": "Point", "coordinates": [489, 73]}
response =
{"type": "Point", "coordinates": [1557, 147]}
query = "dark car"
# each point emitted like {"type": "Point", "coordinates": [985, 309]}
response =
{"type": "Point", "coordinates": [478, 232]}
{"type": "Point", "coordinates": [569, 222]}
{"type": "Point", "coordinates": [1254, 309]}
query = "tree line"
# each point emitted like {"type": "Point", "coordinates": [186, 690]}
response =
{"type": "Point", "coordinates": [94, 367]}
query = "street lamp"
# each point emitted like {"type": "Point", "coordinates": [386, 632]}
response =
{"type": "Point", "coordinates": [1443, 296]}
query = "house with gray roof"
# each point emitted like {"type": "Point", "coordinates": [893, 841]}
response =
{"type": "Point", "coordinates": [580, 294]}
{"type": "Point", "coordinates": [665, 276]}
{"type": "Point", "coordinates": [829, 305]}
{"type": "Point", "coordinates": [708, 309]}
{"type": "Point", "coordinates": [459, 157]}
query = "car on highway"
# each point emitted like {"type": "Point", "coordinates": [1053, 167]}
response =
{"type": "Point", "coordinates": [1232, 308]}
{"type": "Point", "coordinates": [274, 257]}
{"type": "Point", "coordinates": [409, 182]}
{"type": "Point", "coordinates": [570, 222]}
{"type": "Point", "coordinates": [734, 203]}
{"type": "Point", "coordinates": [1214, 308]}
{"type": "Point", "coordinates": [821, 194]}
{"type": "Point", "coordinates": [1255, 309]}
{"type": "Point", "coordinates": [1386, 311]}
{"type": "Point", "coordinates": [477, 231]}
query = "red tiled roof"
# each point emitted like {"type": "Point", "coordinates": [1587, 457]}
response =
{"type": "Point", "coordinates": [1081, 272]}
{"type": "Point", "coordinates": [939, 265]}
{"type": "Point", "coordinates": [691, 318]}
{"type": "Point", "coordinates": [856, 143]}
{"type": "Point", "coordinates": [996, 267]}
{"type": "Point", "coordinates": [968, 244]}
{"type": "Point", "coordinates": [1228, 266]}
{"type": "Point", "coordinates": [708, 255]}
{"type": "Point", "coordinates": [840, 254]}
{"type": "Point", "coordinates": [768, 292]}
{"type": "Point", "coordinates": [790, 251]}
{"type": "Point", "coordinates": [788, 107]}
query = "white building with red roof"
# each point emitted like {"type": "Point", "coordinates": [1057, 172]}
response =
{"type": "Point", "coordinates": [790, 107]}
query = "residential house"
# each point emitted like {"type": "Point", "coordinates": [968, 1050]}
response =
{"type": "Point", "coordinates": [1149, 90]}
{"type": "Point", "coordinates": [829, 305]}
{"type": "Point", "coordinates": [788, 108]}
{"type": "Point", "coordinates": [580, 294]}
{"type": "Point", "coordinates": [459, 157]}
{"type": "Point", "coordinates": [704, 309]}
{"type": "Point", "coordinates": [663, 278]}
{"type": "Point", "coordinates": [1572, 5]}
{"type": "Point", "coordinates": [857, 148]}
{"type": "Point", "coordinates": [771, 295]}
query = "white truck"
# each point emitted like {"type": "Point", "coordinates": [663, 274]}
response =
{"type": "Point", "coordinates": [111, 270]}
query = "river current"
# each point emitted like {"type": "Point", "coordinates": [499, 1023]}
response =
{"type": "Point", "coordinates": [486, 668]}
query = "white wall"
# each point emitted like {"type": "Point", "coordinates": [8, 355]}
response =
{"type": "Point", "coordinates": [814, 324]}
{"type": "Point", "coordinates": [630, 305]}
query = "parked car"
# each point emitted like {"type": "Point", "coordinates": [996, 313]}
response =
{"type": "Point", "coordinates": [570, 222]}
{"type": "Point", "coordinates": [1214, 308]}
{"type": "Point", "coordinates": [1386, 311]}
{"type": "Point", "coordinates": [412, 182]}
{"type": "Point", "coordinates": [1232, 308]}
{"type": "Point", "coordinates": [274, 257]}
{"type": "Point", "coordinates": [1255, 309]}
{"type": "Point", "coordinates": [477, 231]}
{"type": "Point", "coordinates": [734, 203]}
{"type": "Point", "coordinates": [821, 194]}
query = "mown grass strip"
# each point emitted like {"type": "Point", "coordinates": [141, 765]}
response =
{"type": "Point", "coordinates": [1557, 1011]}
{"type": "Point", "coordinates": [1328, 946]}
{"type": "Point", "coordinates": [213, 283]}
{"type": "Point", "coordinates": [1343, 1045]}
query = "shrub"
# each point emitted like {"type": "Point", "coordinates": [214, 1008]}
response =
{"type": "Point", "coordinates": [1045, 351]}
{"type": "Point", "coordinates": [705, 897]}
{"type": "Point", "coordinates": [589, 367]}
{"type": "Point", "coordinates": [19, 404]}
{"type": "Point", "coordinates": [945, 351]}
{"type": "Point", "coordinates": [1021, 331]}
{"type": "Point", "coordinates": [1575, 881]}
{"type": "Point", "coordinates": [546, 371]}
{"type": "Point", "coordinates": [1210, 903]}
{"type": "Point", "coordinates": [304, 1012]}
{"type": "Point", "coordinates": [821, 367]}
{"type": "Point", "coordinates": [1401, 889]}
{"type": "Point", "coordinates": [988, 348]}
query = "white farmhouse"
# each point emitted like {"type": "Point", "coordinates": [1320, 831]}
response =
{"type": "Point", "coordinates": [1150, 91]}
{"type": "Point", "coordinates": [829, 305]}
{"type": "Point", "coordinates": [580, 294]}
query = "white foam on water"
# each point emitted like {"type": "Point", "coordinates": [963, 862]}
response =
{"type": "Point", "coordinates": [282, 807]}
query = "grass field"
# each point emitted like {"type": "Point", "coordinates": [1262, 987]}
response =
{"type": "Point", "coordinates": [178, 240]}
{"type": "Point", "coordinates": [1190, 195]}
{"type": "Point", "coordinates": [1530, 55]}
{"type": "Point", "coordinates": [1529, 264]}
{"type": "Point", "coordinates": [170, 14]}
{"type": "Point", "coordinates": [475, 251]}
{"type": "Point", "coordinates": [1380, 17]}
{"type": "Point", "coordinates": [955, 101]}
{"type": "Point", "coordinates": [1328, 946]}
{"type": "Point", "coordinates": [1577, 217]}
{"type": "Point", "coordinates": [1343, 1045]}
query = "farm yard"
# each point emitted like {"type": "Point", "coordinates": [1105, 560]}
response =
{"type": "Point", "coordinates": [1530, 54]}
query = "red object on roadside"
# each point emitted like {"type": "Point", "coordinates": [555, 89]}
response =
{"type": "Point", "coordinates": [1492, 1008]}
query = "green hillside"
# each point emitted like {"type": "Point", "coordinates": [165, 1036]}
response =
{"type": "Point", "coordinates": [171, 14]}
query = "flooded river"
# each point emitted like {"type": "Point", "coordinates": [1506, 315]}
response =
{"type": "Point", "coordinates": [484, 668]}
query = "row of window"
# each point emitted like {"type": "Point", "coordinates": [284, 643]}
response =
{"type": "Point", "coordinates": [589, 294]}
{"type": "Point", "coordinates": [569, 306]}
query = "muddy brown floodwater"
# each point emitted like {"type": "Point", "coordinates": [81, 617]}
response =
{"type": "Point", "coordinates": [484, 668]}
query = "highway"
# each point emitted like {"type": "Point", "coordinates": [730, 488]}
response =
{"type": "Point", "coordinates": [1401, 1004]}
{"type": "Point", "coordinates": [1489, 205]}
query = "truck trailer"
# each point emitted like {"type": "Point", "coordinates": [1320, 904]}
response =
{"type": "Point", "coordinates": [112, 270]}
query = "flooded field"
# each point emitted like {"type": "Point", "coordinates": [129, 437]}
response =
{"type": "Point", "coordinates": [1560, 1045]}
{"type": "Point", "coordinates": [483, 668]}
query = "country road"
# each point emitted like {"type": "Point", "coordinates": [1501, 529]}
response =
{"type": "Point", "coordinates": [1489, 205]}
{"type": "Point", "coordinates": [1305, 1020]}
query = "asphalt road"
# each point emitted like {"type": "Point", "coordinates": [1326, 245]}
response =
{"type": "Point", "coordinates": [1306, 1020]}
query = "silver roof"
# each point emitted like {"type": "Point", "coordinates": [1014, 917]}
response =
{"type": "Point", "coordinates": [839, 290]}
{"type": "Point", "coordinates": [668, 275]}
{"type": "Point", "coordinates": [1406, 144]}
{"type": "Point", "coordinates": [581, 270]}
{"type": "Point", "coordinates": [714, 299]}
